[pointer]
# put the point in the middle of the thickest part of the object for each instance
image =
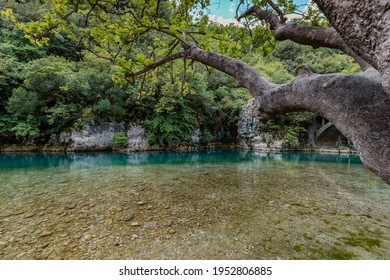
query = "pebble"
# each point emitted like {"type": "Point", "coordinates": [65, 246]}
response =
{"type": "Point", "coordinates": [129, 217]}
{"type": "Point", "coordinates": [20, 255]}
{"type": "Point", "coordinates": [45, 256]}
{"type": "Point", "coordinates": [135, 224]}
{"type": "Point", "coordinates": [45, 246]}
{"type": "Point", "coordinates": [45, 234]}
{"type": "Point", "coordinates": [140, 203]}
{"type": "Point", "coordinates": [70, 206]}
{"type": "Point", "coordinates": [150, 207]}
{"type": "Point", "coordinates": [64, 234]}
{"type": "Point", "coordinates": [172, 231]}
{"type": "Point", "coordinates": [87, 236]}
{"type": "Point", "coordinates": [29, 215]}
{"type": "Point", "coordinates": [134, 237]}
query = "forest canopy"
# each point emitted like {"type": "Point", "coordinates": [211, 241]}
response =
{"type": "Point", "coordinates": [48, 63]}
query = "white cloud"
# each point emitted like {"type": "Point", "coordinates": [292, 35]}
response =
{"type": "Point", "coordinates": [224, 21]}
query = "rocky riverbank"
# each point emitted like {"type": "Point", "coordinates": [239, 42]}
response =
{"type": "Point", "coordinates": [131, 137]}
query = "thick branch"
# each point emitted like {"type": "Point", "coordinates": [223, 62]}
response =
{"type": "Point", "coordinates": [282, 16]}
{"type": "Point", "coordinates": [306, 35]}
{"type": "Point", "coordinates": [245, 75]}
{"type": "Point", "coordinates": [267, 16]}
{"type": "Point", "coordinates": [159, 63]}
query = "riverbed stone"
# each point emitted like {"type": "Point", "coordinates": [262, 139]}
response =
{"type": "Point", "coordinates": [45, 234]}
{"type": "Point", "coordinates": [129, 218]}
{"type": "Point", "coordinates": [29, 215]}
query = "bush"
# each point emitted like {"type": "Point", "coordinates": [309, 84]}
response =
{"type": "Point", "coordinates": [120, 139]}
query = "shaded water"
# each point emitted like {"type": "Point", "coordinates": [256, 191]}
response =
{"type": "Point", "coordinates": [201, 205]}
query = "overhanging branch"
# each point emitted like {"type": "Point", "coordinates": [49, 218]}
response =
{"type": "Point", "coordinates": [159, 63]}
{"type": "Point", "coordinates": [314, 36]}
{"type": "Point", "coordinates": [245, 75]}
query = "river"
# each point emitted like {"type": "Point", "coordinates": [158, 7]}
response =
{"type": "Point", "coordinates": [197, 205]}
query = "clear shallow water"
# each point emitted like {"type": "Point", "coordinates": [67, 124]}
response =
{"type": "Point", "coordinates": [201, 205]}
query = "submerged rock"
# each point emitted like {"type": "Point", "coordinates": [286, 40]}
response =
{"type": "Point", "coordinates": [129, 218]}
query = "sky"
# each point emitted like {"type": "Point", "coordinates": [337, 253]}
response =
{"type": "Point", "coordinates": [224, 11]}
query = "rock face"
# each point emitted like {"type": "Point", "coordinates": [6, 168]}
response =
{"type": "Point", "coordinates": [137, 139]}
{"type": "Point", "coordinates": [196, 136]}
{"type": "Point", "coordinates": [100, 137]}
{"type": "Point", "coordinates": [92, 136]}
{"type": "Point", "coordinates": [251, 132]}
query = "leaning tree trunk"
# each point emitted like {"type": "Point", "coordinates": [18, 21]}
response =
{"type": "Point", "coordinates": [356, 104]}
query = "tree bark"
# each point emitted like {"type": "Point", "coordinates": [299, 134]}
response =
{"type": "Point", "coordinates": [356, 104]}
{"type": "Point", "coordinates": [364, 25]}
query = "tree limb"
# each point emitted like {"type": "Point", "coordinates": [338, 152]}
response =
{"type": "Point", "coordinates": [245, 75]}
{"type": "Point", "coordinates": [282, 16]}
{"type": "Point", "coordinates": [156, 64]}
{"type": "Point", "coordinates": [306, 35]}
{"type": "Point", "coordinates": [356, 104]}
{"type": "Point", "coordinates": [267, 16]}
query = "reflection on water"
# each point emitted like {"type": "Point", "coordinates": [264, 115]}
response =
{"type": "Point", "coordinates": [200, 205]}
{"type": "Point", "coordinates": [108, 159]}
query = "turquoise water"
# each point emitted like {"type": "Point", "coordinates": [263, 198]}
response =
{"type": "Point", "coordinates": [198, 205]}
{"type": "Point", "coordinates": [202, 157]}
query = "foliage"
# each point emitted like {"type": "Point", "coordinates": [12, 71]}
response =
{"type": "Point", "coordinates": [321, 60]}
{"type": "Point", "coordinates": [23, 103]}
{"type": "Point", "coordinates": [120, 139]}
{"type": "Point", "coordinates": [290, 128]}
{"type": "Point", "coordinates": [173, 121]}
{"type": "Point", "coordinates": [63, 76]}
{"type": "Point", "coordinates": [26, 128]}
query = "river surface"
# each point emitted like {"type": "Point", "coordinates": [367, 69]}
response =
{"type": "Point", "coordinates": [198, 205]}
